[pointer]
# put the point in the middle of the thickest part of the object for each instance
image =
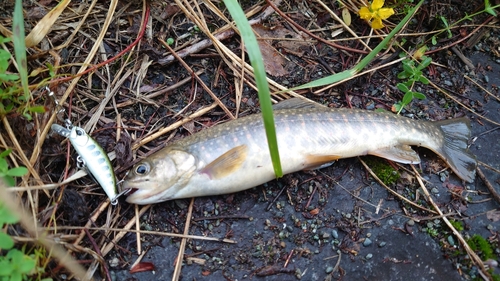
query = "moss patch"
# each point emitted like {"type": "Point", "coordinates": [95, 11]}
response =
{"type": "Point", "coordinates": [478, 244]}
{"type": "Point", "coordinates": [385, 172]}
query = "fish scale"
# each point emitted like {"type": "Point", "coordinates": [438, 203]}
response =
{"type": "Point", "coordinates": [234, 156]}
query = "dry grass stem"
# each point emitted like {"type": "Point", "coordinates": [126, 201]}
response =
{"type": "Point", "coordinates": [392, 191]}
{"type": "Point", "coordinates": [30, 224]}
{"type": "Point", "coordinates": [461, 104]}
{"type": "Point", "coordinates": [475, 258]}
{"type": "Point", "coordinates": [180, 255]}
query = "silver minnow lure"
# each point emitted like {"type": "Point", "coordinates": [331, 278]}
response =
{"type": "Point", "coordinates": [94, 157]}
{"type": "Point", "coordinates": [234, 156]}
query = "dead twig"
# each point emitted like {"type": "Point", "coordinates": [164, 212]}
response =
{"type": "Point", "coordinates": [475, 258]}
{"type": "Point", "coordinates": [180, 255]}
{"type": "Point", "coordinates": [203, 85]}
{"type": "Point", "coordinates": [329, 43]}
{"type": "Point", "coordinates": [392, 191]}
{"type": "Point", "coordinates": [490, 187]}
{"type": "Point", "coordinates": [224, 33]}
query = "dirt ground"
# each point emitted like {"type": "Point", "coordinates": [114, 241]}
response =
{"type": "Point", "coordinates": [336, 223]}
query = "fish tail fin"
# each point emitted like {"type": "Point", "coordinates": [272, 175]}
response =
{"type": "Point", "coordinates": [454, 151]}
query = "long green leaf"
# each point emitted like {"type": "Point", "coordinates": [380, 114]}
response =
{"type": "Point", "coordinates": [364, 62]}
{"type": "Point", "coordinates": [18, 37]}
{"type": "Point", "coordinates": [252, 48]}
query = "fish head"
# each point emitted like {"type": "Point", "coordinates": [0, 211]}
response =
{"type": "Point", "coordinates": [159, 177]}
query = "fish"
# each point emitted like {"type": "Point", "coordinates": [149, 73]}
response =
{"type": "Point", "coordinates": [234, 156]}
{"type": "Point", "coordinates": [94, 158]}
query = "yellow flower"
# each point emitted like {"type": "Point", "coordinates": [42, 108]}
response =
{"type": "Point", "coordinates": [376, 12]}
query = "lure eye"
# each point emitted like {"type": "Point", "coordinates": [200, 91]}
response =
{"type": "Point", "coordinates": [142, 169]}
{"type": "Point", "coordinates": [80, 132]}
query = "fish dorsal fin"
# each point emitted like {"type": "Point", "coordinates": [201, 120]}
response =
{"type": "Point", "coordinates": [295, 103]}
{"type": "Point", "coordinates": [227, 163]}
{"type": "Point", "coordinates": [313, 162]}
{"type": "Point", "coordinates": [401, 153]}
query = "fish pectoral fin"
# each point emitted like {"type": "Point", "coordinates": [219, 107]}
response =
{"type": "Point", "coordinates": [227, 163]}
{"type": "Point", "coordinates": [313, 162]}
{"type": "Point", "coordinates": [401, 153]}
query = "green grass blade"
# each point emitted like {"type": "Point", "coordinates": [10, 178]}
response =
{"type": "Point", "coordinates": [255, 57]}
{"type": "Point", "coordinates": [18, 37]}
{"type": "Point", "coordinates": [488, 8]}
{"type": "Point", "coordinates": [364, 62]}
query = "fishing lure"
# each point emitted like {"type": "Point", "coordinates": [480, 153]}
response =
{"type": "Point", "coordinates": [92, 156]}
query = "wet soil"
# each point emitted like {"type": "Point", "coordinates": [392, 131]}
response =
{"type": "Point", "coordinates": [336, 213]}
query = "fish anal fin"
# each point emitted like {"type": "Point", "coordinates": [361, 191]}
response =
{"type": "Point", "coordinates": [313, 162]}
{"type": "Point", "coordinates": [227, 163]}
{"type": "Point", "coordinates": [401, 153]}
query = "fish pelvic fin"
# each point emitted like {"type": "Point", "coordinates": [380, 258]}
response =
{"type": "Point", "coordinates": [401, 153]}
{"type": "Point", "coordinates": [454, 151]}
{"type": "Point", "coordinates": [227, 163]}
{"type": "Point", "coordinates": [313, 162]}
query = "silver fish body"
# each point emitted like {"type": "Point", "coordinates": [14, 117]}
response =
{"type": "Point", "coordinates": [234, 156]}
{"type": "Point", "coordinates": [94, 157]}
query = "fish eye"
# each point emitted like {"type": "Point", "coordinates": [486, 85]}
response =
{"type": "Point", "coordinates": [80, 132]}
{"type": "Point", "coordinates": [142, 169]}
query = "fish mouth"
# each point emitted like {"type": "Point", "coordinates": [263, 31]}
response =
{"type": "Point", "coordinates": [139, 196]}
{"type": "Point", "coordinates": [131, 191]}
{"type": "Point", "coordinates": [141, 192]}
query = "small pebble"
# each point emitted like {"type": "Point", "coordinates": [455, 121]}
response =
{"type": "Point", "coordinates": [369, 256]}
{"type": "Point", "coordinates": [114, 262]}
{"type": "Point", "coordinates": [382, 244]}
{"type": "Point", "coordinates": [368, 235]}
{"type": "Point", "coordinates": [451, 240]}
{"type": "Point", "coordinates": [434, 190]}
{"type": "Point", "coordinates": [335, 234]}
{"type": "Point", "coordinates": [367, 242]}
{"type": "Point", "coordinates": [410, 223]}
{"type": "Point", "coordinates": [329, 269]}
{"type": "Point", "coordinates": [491, 263]}
{"type": "Point", "coordinates": [489, 227]}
